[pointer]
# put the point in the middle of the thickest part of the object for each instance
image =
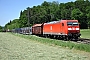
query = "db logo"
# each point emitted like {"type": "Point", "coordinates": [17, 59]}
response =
{"type": "Point", "coordinates": [73, 28]}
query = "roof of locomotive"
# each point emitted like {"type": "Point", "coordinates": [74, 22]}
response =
{"type": "Point", "coordinates": [52, 22]}
{"type": "Point", "coordinates": [72, 20]}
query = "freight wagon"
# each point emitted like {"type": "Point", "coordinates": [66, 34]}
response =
{"type": "Point", "coordinates": [25, 30]}
{"type": "Point", "coordinates": [37, 29]}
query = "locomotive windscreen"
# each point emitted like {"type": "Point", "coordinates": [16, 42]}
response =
{"type": "Point", "coordinates": [72, 23]}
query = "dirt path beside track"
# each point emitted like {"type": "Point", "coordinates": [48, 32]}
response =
{"type": "Point", "coordinates": [17, 48]}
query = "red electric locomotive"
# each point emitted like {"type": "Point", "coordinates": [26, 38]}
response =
{"type": "Point", "coordinates": [67, 29]}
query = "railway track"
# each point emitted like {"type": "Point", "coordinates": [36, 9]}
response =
{"type": "Point", "coordinates": [79, 40]}
{"type": "Point", "coordinates": [83, 40]}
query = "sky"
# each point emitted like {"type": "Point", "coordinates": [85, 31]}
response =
{"type": "Point", "coordinates": [10, 9]}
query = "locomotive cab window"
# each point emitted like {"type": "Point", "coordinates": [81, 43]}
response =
{"type": "Point", "coordinates": [75, 23]}
{"type": "Point", "coordinates": [69, 23]}
{"type": "Point", "coordinates": [62, 24]}
{"type": "Point", "coordinates": [72, 23]}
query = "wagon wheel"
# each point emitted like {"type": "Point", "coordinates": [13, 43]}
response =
{"type": "Point", "coordinates": [66, 38]}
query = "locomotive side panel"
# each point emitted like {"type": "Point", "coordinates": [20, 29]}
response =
{"type": "Point", "coordinates": [47, 28]}
{"type": "Point", "coordinates": [57, 28]}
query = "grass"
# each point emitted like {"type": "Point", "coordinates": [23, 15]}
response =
{"type": "Point", "coordinates": [85, 33]}
{"type": "Point", "coordinates": [14, 47]}
{"type": "Point", "coordinates": [69, 44]}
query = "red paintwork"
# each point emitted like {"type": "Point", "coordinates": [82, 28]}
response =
{"type": "Point", "coordinates": [60, 28]}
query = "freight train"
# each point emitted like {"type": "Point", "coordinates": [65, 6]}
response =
{"type": "Point", "coordinates": [65, 29]}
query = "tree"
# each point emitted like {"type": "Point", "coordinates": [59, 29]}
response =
{"type": "Point", "coordinates": [51, 11]}
{"type": "Point", "coordinates": [79, 0]}
{"type": "Point", "coordinates": [88, 17]}
{"type": "Point", "coordinates": [76, 14]}
{"type": "Point", "coordinates": [21, 13]}
{"type": "Point", "coordinates": [0, 28]}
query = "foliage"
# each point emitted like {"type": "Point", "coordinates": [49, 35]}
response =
{"type": "Point", "coordinates": [51, 11]}
{"type": "Point", "coordinates": [1, 28]}
{"type": "Point", "coordinates": [12, 24]}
